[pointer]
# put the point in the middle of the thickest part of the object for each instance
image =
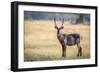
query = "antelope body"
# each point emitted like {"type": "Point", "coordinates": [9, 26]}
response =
{"type": "Point", "coordinates": [68, 40]}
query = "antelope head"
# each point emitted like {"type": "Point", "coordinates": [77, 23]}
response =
{"type": "Point", "coordinates": [59, 28]}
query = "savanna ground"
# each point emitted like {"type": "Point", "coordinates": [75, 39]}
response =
{"type": "Point", "coordinates": [41, 43]}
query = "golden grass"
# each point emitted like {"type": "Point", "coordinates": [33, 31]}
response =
{"type": "Point", "coordinates": [41, 42]}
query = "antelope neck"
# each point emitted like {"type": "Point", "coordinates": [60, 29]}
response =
{"type": "Point", "coordinates": [58, 33]}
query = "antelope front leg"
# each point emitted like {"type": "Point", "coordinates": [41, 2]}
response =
{"type": "Point", "coordinates": [63, 51]}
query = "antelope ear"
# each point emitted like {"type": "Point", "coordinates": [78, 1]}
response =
{"type": "Point", "coordinates": [56, 27]}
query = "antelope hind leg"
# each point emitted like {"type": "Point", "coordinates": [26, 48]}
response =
{"type": "Point", "coordinates": [79, 50]}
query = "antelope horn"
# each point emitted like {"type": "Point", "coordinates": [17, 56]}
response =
{"type": "Point", "coordinates": [55, 21]}
{"type": "Point", "coordinates": [62, 21]}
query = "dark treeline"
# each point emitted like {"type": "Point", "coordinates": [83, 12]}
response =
{"type": "Point", "coordinates": [74, 18]}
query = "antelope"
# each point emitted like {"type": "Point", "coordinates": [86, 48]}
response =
{"type": "Point", "coordinates": [67, 39]}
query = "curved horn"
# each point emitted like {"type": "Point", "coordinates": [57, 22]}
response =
{"type": "Point", "coordinates": [55, 23]}
{"type": "Point", "coordinates": [62, 21]}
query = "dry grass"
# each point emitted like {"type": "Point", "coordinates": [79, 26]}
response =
{"type": "Point", "coordinates": [41, 42]}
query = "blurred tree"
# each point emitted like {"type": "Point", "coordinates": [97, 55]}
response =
{"type": "Point", "coordinates": [74, 18]}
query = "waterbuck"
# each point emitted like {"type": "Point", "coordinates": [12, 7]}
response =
{"type": "Point", "coordinates": [68, 39]}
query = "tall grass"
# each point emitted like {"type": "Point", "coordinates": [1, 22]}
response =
{"type": "Point", "coordinates": [42, 44]}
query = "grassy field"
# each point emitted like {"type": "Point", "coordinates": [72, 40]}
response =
{"type": "Point", "coordinates": [42, 44]}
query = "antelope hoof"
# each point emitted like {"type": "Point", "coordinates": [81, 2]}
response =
{"type": "Point", "coordinates": [64, 56]}
{"type": "Point", "coordinates": [80, 54]}
{"type": "Point", "coordinates": [77, 54]}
